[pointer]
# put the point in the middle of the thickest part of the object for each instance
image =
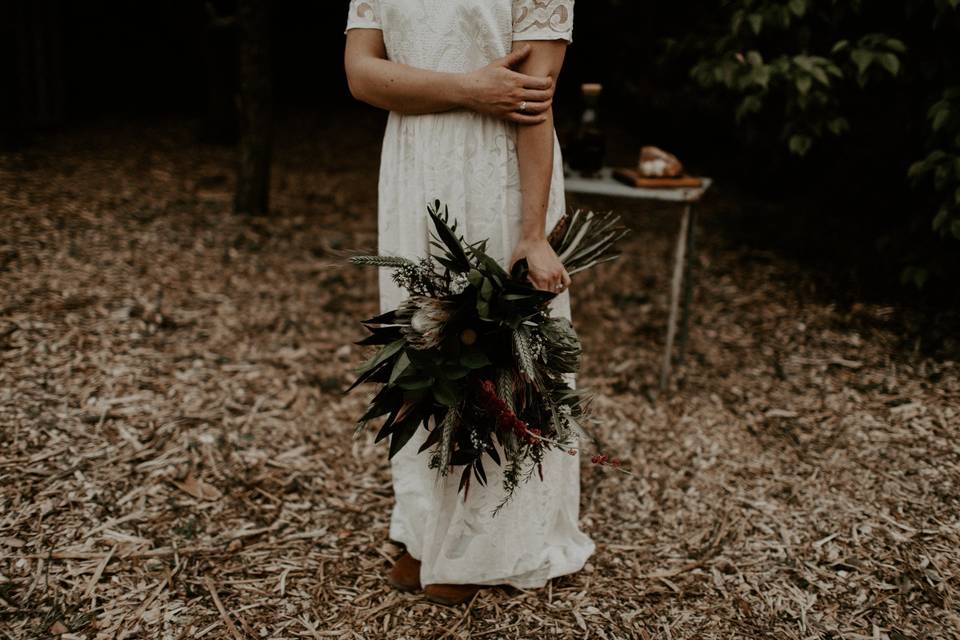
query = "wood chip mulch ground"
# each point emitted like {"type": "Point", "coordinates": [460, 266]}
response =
{"type": "Point", "coordinates": [176, 457]}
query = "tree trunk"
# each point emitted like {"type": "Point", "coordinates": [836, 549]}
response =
{"type": "Point", "coordinates": [256, 108]}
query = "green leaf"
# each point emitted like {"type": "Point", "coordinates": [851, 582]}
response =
{"type": "Point", "coordinates": [838, 125]}
{"type": "Point", "coordinates": [897, 45]}
{"type": "Point", "coordinates": [475, 278]}
{"type": "Point", "coordinates": [736, 21]}
{"type": "Point", "coordinates": [862, 58]}
{"type": "Point", "coordinates": [478, 471]}
{"type": "Point", "coordinates": [454, 371]}
{"type": "Point", "coordinates": [486, 289]}
{"type": "Point", "coordinates": [402, 433]}
{"type": "Point", "coordinates": [798, 7]}
{"type": "Point", "coordinates": [941, 176]}
{"type": "Point", "coordinates": [804, 62]}
{"type": "Point", "coordinates": [493, 269]}
{"type": "Point", "coordinates": [890, 62]}
{"type": "Point", "coordinates": [382, 355]}
{"type": "Point", "coordinates": [760, 76]}
{"type": "Point", "coordinates": [399, 367]}
{"type": "Point", "coordinates": [840, 46]}
{"type": "Point", "coordinates": [936, 107]}
{"type": "Point", "coordinates": [803, 84]}
{"type": "Point", "coordinates": [418, 383]}
{"type": "Point", "coordinates": [446, 393]}
{"type": "Point", "coordinates": [820, 75]}
{"type": "Point", "coordinates": [459, 260]}
{"type": "Point", "coordinates": [940, 220]}
{"type": "Point", "coordinates": [384, 402]}
{"type": "Point", "coordinates": [940, 118]}
{"type": "Point", "coordinates": [435, 434]}
{"type": "Point", "coordinates": [474, 359]}
{"type": "Point", "coordinates": [800, 144]}
{"type": "Point", "coordinates": [917, 169]}
{"type": "Point", "coordinates": [756, 22]}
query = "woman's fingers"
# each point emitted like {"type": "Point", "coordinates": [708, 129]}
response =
{"type": "Point", "coordinates": [543, 285]}
{"type": "Point", "coordinates": [535, 107]}
{"type": "Point", "coordinates": [560, 281]}
{"type": "Point", "coordinates": [525, 118]}
{"type": "Point", "coordinates": [516, 56]}
{"type": "Point", "coordinates": [536, 95]}
{"type": "Point", "coordinates": [554, 283]}
{"type": "Point", "coordinates": [534, 82]}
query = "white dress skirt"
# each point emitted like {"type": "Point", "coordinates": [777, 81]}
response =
{"type": "Point", "coordinates": [469, 162]}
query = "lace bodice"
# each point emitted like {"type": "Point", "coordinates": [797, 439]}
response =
{"type": "Point", "coordinates": [459, 35]}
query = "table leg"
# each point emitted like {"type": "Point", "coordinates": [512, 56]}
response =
{"type": "Point", "coordinates": [688, 283]}
{"type": "Point", "coordinates": [676, 283]}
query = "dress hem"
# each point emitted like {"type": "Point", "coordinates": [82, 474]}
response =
{"type": "Point", "coordinates": [516, 582]}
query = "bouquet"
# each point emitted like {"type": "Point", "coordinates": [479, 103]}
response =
{"type": "Point", "coordinates": [474, 357]}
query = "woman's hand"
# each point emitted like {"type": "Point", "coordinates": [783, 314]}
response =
{"type": "Point", "coordinates": [497, 90]}
{"type": "Point", "coordinates": [546, 270]}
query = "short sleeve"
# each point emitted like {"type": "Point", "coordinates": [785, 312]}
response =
{"type": "Point", "coordinates": [543, 20]}
{"type": "Point", "coordinates": [364, 14]}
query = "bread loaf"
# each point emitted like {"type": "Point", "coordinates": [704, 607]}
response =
{"type": "Point", "coordinates": [657, 163]}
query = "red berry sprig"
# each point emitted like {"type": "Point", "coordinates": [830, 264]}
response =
{"type": "Point", "coordinates": [604, 460]}
{"type": "Point", "coordinates": [507, 421]}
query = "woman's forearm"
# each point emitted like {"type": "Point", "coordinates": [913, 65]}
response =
{"type": "Point", "coordinates": [398, 87]}
{"type": "Point", "coordinates": [535, 145]}
{"type": "Point", "coordinates": [495, 90]}
{"type": "Point", "coordinates": [535, 156]}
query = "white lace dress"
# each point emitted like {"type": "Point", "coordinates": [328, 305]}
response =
{"type": "Point", "coordinates": [469, 161]}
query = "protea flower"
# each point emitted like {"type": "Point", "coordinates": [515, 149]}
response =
{"type": "Point", "coordinates": [426, 318]}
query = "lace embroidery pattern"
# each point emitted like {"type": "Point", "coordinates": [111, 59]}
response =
{"type": "Point", "coordinates": [543, 18]}
{"type": "Point", "coordinates": [363, 14]}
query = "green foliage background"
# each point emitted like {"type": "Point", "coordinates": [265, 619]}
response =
{"type": "Point", "coordinates": [855, 104]}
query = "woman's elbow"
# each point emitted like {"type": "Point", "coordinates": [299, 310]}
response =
{"type": "Point", "coordinates": [354, 82]}
{"type": "Point", "coordinates": [355, 86]}
{"type": "Point", "coordinates": [361, 88]}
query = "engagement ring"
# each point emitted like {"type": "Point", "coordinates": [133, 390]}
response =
{"type": "Point", "coordinates": [523, 106]}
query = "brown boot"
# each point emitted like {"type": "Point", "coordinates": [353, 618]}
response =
{"type": "Point", "coordinates": [450, 594]}
{"type": "Point", "coordinates": [405, 573]}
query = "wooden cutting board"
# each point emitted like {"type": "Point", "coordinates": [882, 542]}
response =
{"type": "Point", "coordinates": [633, 178]}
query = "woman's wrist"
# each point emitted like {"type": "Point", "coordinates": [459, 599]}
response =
{"type": "Point", "coordinates": [532, 227]}
{"type": "Point", "coordinates": [533, 235]}
{"type": "Point", "coordinates": [459, 90]}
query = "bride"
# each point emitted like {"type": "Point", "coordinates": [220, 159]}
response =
{"type": "Point", "coordinates": [469, 85]}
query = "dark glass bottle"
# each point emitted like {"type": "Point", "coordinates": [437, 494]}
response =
{"type": "Point", "coordinates": [589, 145]}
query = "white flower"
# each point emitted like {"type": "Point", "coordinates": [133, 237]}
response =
{"type": "Point", "coordinates": [458, 283]}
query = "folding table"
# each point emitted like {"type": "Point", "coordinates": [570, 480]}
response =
{"type": "Point", "coordinates": [681, 285]}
